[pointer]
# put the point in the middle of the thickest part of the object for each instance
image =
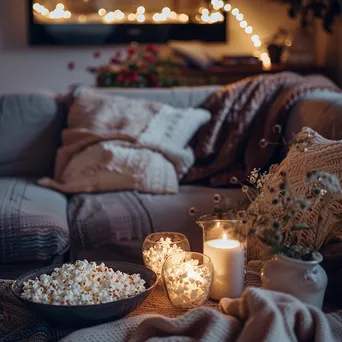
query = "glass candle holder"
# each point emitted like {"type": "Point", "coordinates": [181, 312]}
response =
{"type": "Point", "coordinates": [158, 246]}
{"type": "Point", "coordinates": [187, 279]}
{"type": "Point", "coordinates": [224, 244]}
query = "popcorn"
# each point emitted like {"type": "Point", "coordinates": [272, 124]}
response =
{"type": "Point", "coordinates": [155, 256]}
{"type": "Point", "coordinates": [82, 283]}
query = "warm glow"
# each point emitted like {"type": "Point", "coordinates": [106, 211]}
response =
{"type": "Point", "coordinates": [173, 15]}
{"type": "Point", "coordinates": [36, 7]}
{"type": "Point", "coordinates": [257, 43]}
{"type": "Point", "coordinates": [205, 17]}
{"type": "Point", "coordinates": [235, 11]}
{"type": "Point", "coordinates": [227, 7]}
{"type": "Point", "coordinates": [183, 17]}
{"type": "Point", "coordinates": [120, 15]}
{"type": "Point", "coordinates": [131, 17]}
{"type": "Point", "coordinates": [82, 18]}
{"type": "Point", "coordinates": [223, 244]}
{"type": "Point", "coordinates": [239, 17]}
{"type": "Point", "coordinates": [166, 11]}
{"type": "Point", "coordinates": [102, 12]}
{"type": "Point", "coordinates": [141, 10]}
{"type": "Point", "coordinates": [67, 14]}
{"type": "Point", "coordinates": [110, 16]}
{"type": "Point", "coordinates": [141, 18]}
{"type": "Point", "coordinates": [255, 38]}
{"type": "Point", "coordinates": [205, 12]}
{"type": "Point", "coordinates": [225, 237]}
{"type": "Point", "coordinates": [46, 12]}
{"type": "Point", "coordinates": [156, 17]}
{"type": "Point", "coordinates": [249, 29]}
{"type": "Point", "coordinates": [243, 24]}
{"type": "Point", "coordinates": [60, 6]}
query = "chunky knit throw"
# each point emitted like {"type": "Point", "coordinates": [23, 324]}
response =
{"type": "Point", "coordinates": [311, 153]}
{"type": "Point", "coordinates": [242, 113]}
{"type": "Point", "coordinates": [259, 315]}
{"type": "Point", "coordinates": [115, 143]}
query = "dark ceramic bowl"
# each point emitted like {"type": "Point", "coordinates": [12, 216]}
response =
{"type": "Point", "coordinates": [87, 315]}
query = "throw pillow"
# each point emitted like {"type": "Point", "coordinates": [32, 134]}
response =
{"type": "Point", "coordinates": [115, 143]}
{"type": "Point", "coordinates": [311, 152]}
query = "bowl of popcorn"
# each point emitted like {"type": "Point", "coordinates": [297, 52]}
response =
{"type": "Point", "coordinates": [85, 293]}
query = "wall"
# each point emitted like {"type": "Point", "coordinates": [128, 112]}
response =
{"type": "Point", "coordinates": [24, 68]}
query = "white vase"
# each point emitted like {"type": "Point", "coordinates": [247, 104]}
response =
{"type": "Point", "coordinates": [305, 280]}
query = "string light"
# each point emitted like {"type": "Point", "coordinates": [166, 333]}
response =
{"type": "Point", "coordinates": [210, 15]}
{"type": "Point", "coordinates": [102, 12]}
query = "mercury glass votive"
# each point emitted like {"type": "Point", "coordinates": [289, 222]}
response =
{"type": "Point", "coordinates": [187, 279]}
{"type": "Point", "coordinates": [158, 246]}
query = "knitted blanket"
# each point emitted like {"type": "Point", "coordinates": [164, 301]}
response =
{"type": "Point", "coordinates": [115, 143]}
{"type": "Point", "coordinates": [259, 315]}
{"type": "Point", "coordinates": [243, 113]}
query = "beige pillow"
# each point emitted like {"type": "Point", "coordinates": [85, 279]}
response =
{"type": "Point", "coordinates": [312, 152]}
{"type": "Point", "coordinates": [114, 143]}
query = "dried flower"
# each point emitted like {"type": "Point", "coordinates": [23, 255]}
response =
{"type": "Point", "coordinates": [192, 211]}
{"type": "Point", "coordinates": [263, 143]}
{"type": "Point", "coordinates": [216, 198]}
{"type": "Point", "coordinates": [277, 129]}
{"type": "Point", "coordinates": [233, 180]}
{"type": "Point", "coordinates": [245, 188]}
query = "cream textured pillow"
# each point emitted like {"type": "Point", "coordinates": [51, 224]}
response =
{"type": "Point", "coordinates": [312, 152]}
{"type": "Point", "coordinates": [115, 143]}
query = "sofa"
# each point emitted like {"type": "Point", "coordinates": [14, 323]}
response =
{"type": "Point", "coordinates": [39, 226]}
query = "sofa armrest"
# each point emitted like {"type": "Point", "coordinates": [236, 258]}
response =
{"type": "Point", "coordinates": [321, 111]}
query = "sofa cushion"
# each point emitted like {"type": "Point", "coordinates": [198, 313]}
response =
{"type": "Point", "coordinates": [122, 220]}
{"type": "Point", "coordinates": [30, 129]}
{"type": "Point", "coordinates": [33, 222]}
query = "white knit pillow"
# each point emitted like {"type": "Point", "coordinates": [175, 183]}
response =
{"type": "Point", "coordinates": [115, 143]}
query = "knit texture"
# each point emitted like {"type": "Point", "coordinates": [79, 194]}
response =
{"type": "Point", "coordinates": [311, 153]}
{"type": "Point", "coordinates": [242, 113]}
{"type": "Point", "coordinates": [259, 315]}
{"type": "Point", "coordinates": [115, 143]}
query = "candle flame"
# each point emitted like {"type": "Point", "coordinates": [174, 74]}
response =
{"type": "Point", "coordinates": [225, 237]}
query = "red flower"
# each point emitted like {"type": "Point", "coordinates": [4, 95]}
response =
{"type": "Point", "coordinates": [131, 50]}
{"type": "Point", "coordinates": [151, 59]}
{"type": "Point", "coordinates": [97, 54]}
{"type": "Point", "coordinates": [134, 76]}
{"type": "Point", "coordinates": [152, 48]}
{"type": "Point", "coordinates": [115, 60]}
{"type": "Point", "coordinates": [71, 65]}
{"type": "Point", "coordinates": [120, 78]}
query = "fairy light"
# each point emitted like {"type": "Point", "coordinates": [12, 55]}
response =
{"type": "Point", "coordinates": [227, 7]}
{"type": "Point", "coordinates": [235, 11]}
{"type": "Point", "coordinates": [141, 10]}
{"type": "Point", "coordinates": [243, 24]}
{"type": "Point", "coordinates": [102, 12]}
{"type": "Point", "coordinates": [210, 15]}
{"type": "Point", "coordinates": [249, 29]}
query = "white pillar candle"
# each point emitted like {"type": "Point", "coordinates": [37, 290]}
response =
{"type": "Point", "coordinates": [227, 257]}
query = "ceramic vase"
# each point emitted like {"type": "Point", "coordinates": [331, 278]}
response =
{"type": "Point", "coordinates": [305, 280]}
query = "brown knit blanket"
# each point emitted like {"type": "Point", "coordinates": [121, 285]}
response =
{"type": "Point", "coordinates": [243, 113]}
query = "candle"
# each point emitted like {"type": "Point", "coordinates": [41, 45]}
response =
{"type": "Point", "coordinates": [187, 282]}
{"type": "Point", "coordinates": [227, 257]}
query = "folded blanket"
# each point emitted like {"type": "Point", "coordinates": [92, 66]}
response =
{"type": "Point", "coordinates": [115, 143]}
{"type": "Point", "coordinates": [243, 113]}
{"type": "Point", "coordinates": [259, 315]}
